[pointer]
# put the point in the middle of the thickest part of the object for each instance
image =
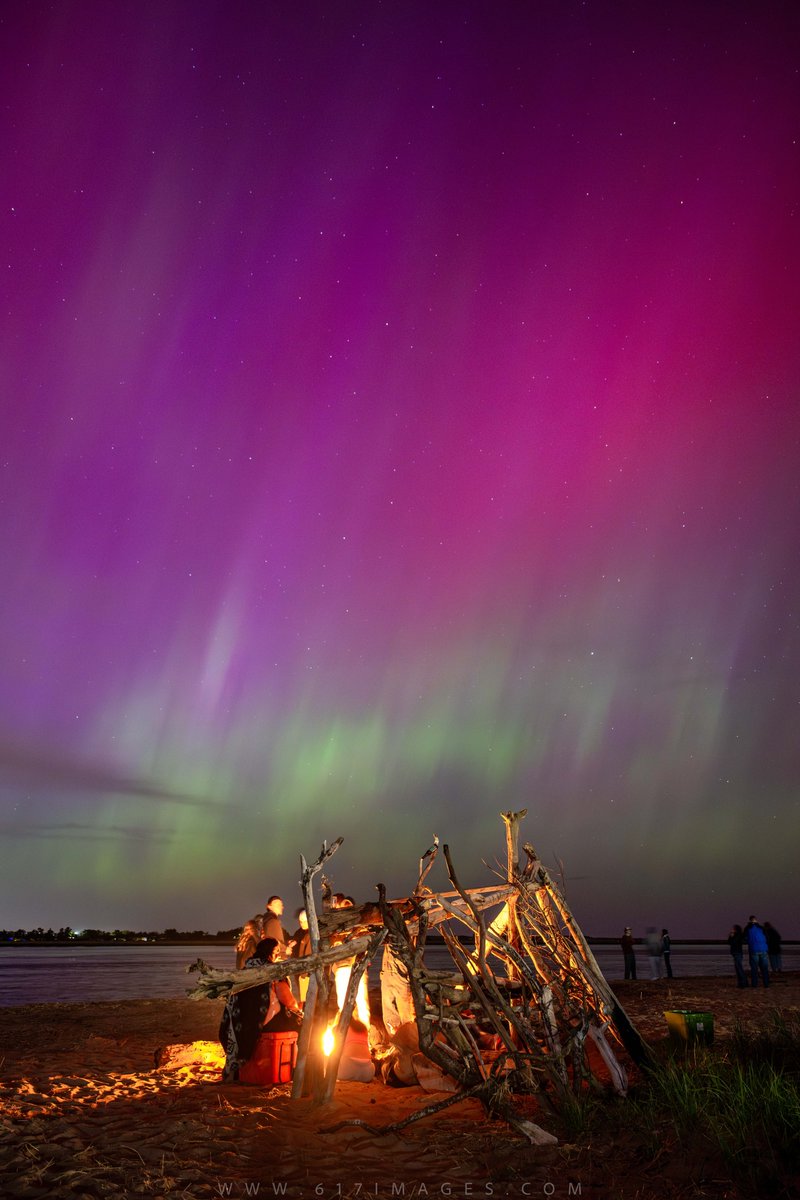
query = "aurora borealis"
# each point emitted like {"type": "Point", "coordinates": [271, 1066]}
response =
{"type": "Point", "coordinates": [400, 424]}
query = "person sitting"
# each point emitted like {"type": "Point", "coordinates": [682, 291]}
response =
{"type": "Point", "coordinates": [263, 1008]}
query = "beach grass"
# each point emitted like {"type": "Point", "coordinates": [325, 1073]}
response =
{"type": "Point", "coordinates": [742, 1105]}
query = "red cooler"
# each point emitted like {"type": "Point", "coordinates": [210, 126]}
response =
{"type": "Point", "coordinates": [273, 1059]}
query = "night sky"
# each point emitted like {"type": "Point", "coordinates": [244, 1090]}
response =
{"type": "Point", "coordinates": [400, 423]}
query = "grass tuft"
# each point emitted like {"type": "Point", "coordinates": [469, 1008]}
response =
{"type": "Point", "coordinates": [746, 1104]}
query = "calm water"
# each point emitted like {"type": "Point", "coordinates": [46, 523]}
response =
{"type": "Point", "coordinates": [61, 974]}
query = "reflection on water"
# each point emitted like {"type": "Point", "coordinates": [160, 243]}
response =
{"type": "Point", "coordinates": [64, 974]}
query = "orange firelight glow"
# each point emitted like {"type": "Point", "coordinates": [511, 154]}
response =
{"type": "Point", "coordinates": [342, 979]}
{"type": "Point", "coordinates": [327, 1041]}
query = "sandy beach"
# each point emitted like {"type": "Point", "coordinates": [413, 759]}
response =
{"type": "Point", "coordinates": [87, 1113]}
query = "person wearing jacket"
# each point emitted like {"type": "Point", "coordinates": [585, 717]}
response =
{"type": "Point", "coordinates": [757, 948]}
{"type": "Point", "coordinates": [263, 1008]}
{"type": "Point", "coordinates": [272, 926]}
{"type": "Point", "coordinates": [629, 957]}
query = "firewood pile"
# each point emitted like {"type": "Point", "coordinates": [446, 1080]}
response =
{"type": "Point", "coordinates": [525, 1010]}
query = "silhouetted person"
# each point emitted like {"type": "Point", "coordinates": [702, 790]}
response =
{"type": "Point", "coordinates": [626, 941]}
{"type": "Point", "coordinates": [666, 952]}
{"type": "Point", "coordinates": [773, 946]}
{"type": "Point", "coordinates": [736, 941]}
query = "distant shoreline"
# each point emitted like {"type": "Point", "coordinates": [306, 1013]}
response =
{"type": "Point", "coordinates": [433, 940]}
{"type": "Point", "coordinates": [93, 943]}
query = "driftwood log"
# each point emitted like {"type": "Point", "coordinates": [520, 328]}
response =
{"type": "Point", "coordinates": [216, 981]}
{"type": "Point", "coordinates": [309, 1048]}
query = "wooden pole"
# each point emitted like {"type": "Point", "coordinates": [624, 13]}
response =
{"type": "Point", "coordinates": [628, 1034]}
{"type": "Point", "coordinates": [512, 820]}
{"type": "Point", "coordinates": [425, 864]}
{"type": "Point", "coordinates": [309, 1049]}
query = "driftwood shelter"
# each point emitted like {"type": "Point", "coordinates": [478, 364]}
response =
{"type": "Point", "coordinates": [524, 1013]}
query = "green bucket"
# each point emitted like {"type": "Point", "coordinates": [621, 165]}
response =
{"type": "Point", "coordinates": [685, 1026]}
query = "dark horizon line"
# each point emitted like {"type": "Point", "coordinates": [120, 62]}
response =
{"type": "Point", "coordinates": [227, 937]}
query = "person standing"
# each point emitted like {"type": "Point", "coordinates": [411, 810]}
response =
{"type": "Point", "coordinates": [653, 943]}
{"type": "Point", "coordinates": [666, 952]}
{"type": "Point", "coordinates": [248, 940]}
{"type": "Point", "coordinates": [271, 926]}
{"type": "Point", "coordinates": [757, 947]}
{"type": "Point", "coordinates": [300, 941]}
{"type": "Point", "coordinates": [626, 942]}
{"type": "Point", "coordinates": [773, 947]}
{"type": "Point", "coordinates": [736, 940]}
{"type": "Point", "coordinates": [300, 947]}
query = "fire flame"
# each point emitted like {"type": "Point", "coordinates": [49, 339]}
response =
{"type": "Point", "coordinates": [342, 979]}
{"type": "Point", "coordinates": [327, 1041]}
{"type": "Point", "coordinates": [362, 1008]}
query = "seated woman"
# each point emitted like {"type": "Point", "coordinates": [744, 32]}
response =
{"type": "Point", "coordinates": [264, 1008]}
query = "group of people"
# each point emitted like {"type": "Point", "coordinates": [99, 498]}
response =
{"type": "Point", "coordinates": [269, 924]}
{"type": "Point", "coordinates": [277, 1007]}
{"type": "Point", "coordinates": [763, 944]}
{"type": "Point", "coordinates": [659, 952]}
